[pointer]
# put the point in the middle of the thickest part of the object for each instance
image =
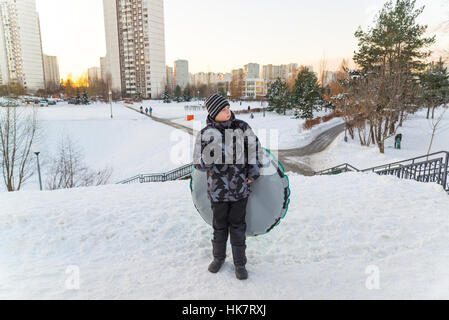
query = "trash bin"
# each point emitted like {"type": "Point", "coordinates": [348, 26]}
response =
{"type": "Point", "coordinates": [397, 141]}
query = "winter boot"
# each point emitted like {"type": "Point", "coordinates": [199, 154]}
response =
{"type": "Point", "coordinates": [241, 273]}
{"type": "Point", "coordinates": [219, 253]}
{"type": "Point", "coordinates": [238, 253]}
{"type": "Point", "coordinates": [215, 265]}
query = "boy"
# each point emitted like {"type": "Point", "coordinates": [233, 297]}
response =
{"type": "Point", "coordinates": [231, 166]}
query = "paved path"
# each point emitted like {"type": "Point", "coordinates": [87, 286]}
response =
{"type": "Point", "coordinates": [165, 121]}
{"type": "Point", "coordinates": [291, 158]}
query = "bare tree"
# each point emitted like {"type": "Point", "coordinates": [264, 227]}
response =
{"type": "Point", "coordinates": [434, 126]}
{"type": "Point", "coordinates": [323, 72]}
{"type": "Point", "coordinates": [18, 132]}
{"type": "Point", "coordinates": [68, 169]}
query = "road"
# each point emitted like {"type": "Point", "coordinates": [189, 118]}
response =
{"type": "Point", "coordinates": [291, 158]}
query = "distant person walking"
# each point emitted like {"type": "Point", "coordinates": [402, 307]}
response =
{"type": "Point", "coordinates": [151, 111]}
{"type": "Point", "coordinates": [141, 109]}
{"type": "Point", "coordinates": [146, 110]}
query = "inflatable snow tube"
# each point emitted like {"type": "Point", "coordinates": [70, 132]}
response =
{"type": "Point", "coordinates": [267, 203]}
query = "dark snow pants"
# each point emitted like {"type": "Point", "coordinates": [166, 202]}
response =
{"type": "Point", "coordinates": [229, 218]}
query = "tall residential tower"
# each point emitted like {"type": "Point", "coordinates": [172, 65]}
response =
{"type": "Point", "coordinates": [20, 44]}
{"type": "Point", "coordinates": [135, 45]}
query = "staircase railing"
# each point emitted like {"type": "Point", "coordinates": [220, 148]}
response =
{"type": "Point", "coordinates": [175, 174]}
{"type": "Point", "coordinates": [345, 167]}
{"type": "Point", "coordinates": [428, 168]}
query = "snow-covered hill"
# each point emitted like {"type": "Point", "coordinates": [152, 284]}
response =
{"type": "Point", "coordinates": [148, 242]}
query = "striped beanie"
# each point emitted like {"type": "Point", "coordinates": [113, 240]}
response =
{"type": "Point", "coordinates": [215, 103]}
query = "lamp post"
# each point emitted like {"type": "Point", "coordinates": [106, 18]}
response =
{"type": "Point", "coordinates": [110, 101]}
{"type": "Point", "coordinates": [36, 152]}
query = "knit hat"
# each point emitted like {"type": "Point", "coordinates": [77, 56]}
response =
{"type": "Point", "coordinates": [215, 103]}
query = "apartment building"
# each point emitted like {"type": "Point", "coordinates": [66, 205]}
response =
{"type": "Point", "coordinates": [51, 72]}
{"type": "Point", "coordinates": [135, 45]}
{"type": "Point", "coordinates": [21, 58]}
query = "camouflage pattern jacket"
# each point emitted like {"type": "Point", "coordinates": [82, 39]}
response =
{"type": "Point", "coordinates": [227, 172]}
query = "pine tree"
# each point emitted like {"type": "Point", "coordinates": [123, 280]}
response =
{"type": "Point", "coordinates": [77, 97]}
{"type": "Point", "coordinates": [278, 96]}
{"type": "Point", "coordinates": [306, 94]}
{"type": "Point", "coordinates": [166, 97]}
{"type": "Point", "coordinates": [187, 96]}
{"type": "Point", "coordinates": [435, 85]}
{"type": "Point", "coordinates": [85, 98]}
{"type": "Point", "coordinates": [390, 56]}
{"type": "Point", "coordinates": [178, 93]}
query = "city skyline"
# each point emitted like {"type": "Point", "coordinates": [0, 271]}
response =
{"type": "Point", "coordinates": [271, 34]}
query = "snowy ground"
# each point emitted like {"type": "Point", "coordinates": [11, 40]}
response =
{"type": "Point", "coordinates": [132, 143]}
{"type": "Point", "coordinates": [416, 135]}
{"type": "Point", "coordinates": [277, 132]}
{"type": "Point", "coordinates": [341, 237]}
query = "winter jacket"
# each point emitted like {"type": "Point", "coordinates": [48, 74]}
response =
{"type": "Point", "coordinates": [226, 176]}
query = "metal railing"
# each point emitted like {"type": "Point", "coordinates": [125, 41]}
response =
{"type": "Point", "coordinates": [428, 168]}
{"type": "Point", "coordinates": [345, 167]}
{"type": "Point", "coordinates": [175, 174]}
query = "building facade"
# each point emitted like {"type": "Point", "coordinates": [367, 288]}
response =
{"type": "Point", "coordinates": [51, 72]}
{"type": "Point", "coordinates": [170, 78]}
{"type": "Point", "coordinates": [135, 45]}
{"type": "Point", "coordinates": [181, 73]}
{"type": "Point", "coordinates": [21, 58]}
{"type": "Point", "coordinates": [252, 70]}
{"type": "Point", "coordinates": [255, 88]}
{"type": "Point", "coordinates": [94, 74]}
{"type": "Point", "coordinates": [103, 68]}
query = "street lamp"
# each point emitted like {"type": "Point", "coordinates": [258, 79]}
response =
{"type": "Point", "coordinates": [110, 101]}
{"type": "Point", "coordinates": [36, 152]}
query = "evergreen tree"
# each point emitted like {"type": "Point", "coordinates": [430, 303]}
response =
{"type": "Point", "coordinates": [166, 97]}
{"type": "Point", "coordinates": [435, 84]}
{"type": "Point", "coordinates": [187, 95]}
{"type": "Point", "coordinates": [178, 93]}
{"type": "Point", "coordinates": [85, 98]}
{"type": "Point", "coordinates": [306, 94]}
{"type": "Point", "coordinates": [278, 96]}
{"type": "Point", "coordinates": [390, 57]}
{"type": "Point", "coordinates": [77, 97]}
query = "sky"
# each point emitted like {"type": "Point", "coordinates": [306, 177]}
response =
{"type": "Point", "coordinates": [218, 36]}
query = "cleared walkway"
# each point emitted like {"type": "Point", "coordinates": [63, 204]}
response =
{"type": "Point", "coordinates": [290, 159]}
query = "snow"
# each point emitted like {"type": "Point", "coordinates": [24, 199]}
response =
{"type": "Point", "coordinates": [277, 132]}
{"type": "Point", "coordinates": [146, 241]}
{"type": "Point", "coordinates": [130, 143]}
{"type": "Point", "coordinates": [416, 135]}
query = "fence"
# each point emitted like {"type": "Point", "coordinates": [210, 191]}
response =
{"type": "Point", "coordinates": [176, 174]}
{"type": "Point", "coordinates": [428, 168]}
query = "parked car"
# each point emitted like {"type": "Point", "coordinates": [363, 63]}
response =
{"type": "Point", "coordinates": [51, 102]}
{"type": "Point", "coordinates": [43, 103]}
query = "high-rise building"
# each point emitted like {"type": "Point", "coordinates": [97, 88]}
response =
{"type": "Point", "coordinates": [94, 74]}
{"type": "Point", "coordinates": [170, 78]}
{"type": "Point", "coordinates": [252, 70]}
{"type": "Point", "coordinates": [51, 72]}
{"type": "Point", "coordinates": [21, 57]}
{"type": "Point", "coordinates": [135, 45]}
{"type": "Point", "coordinates": [181, 74]}
{"type": "Point", "coordinates": [103, 68]}
{"type": "Point", "coordinates": [285, 72]}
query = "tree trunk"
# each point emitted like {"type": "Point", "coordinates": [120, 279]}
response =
{"type": "Point", "coordinates": [381, 146]}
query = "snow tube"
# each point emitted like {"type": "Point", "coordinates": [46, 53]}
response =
{"type": "Point", "coordinates": [267, 203]}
